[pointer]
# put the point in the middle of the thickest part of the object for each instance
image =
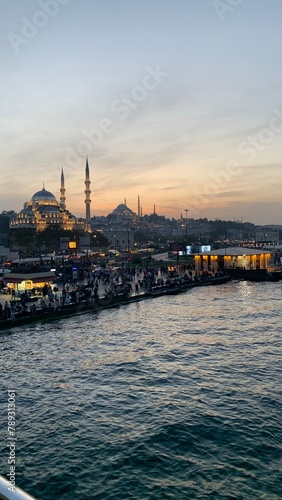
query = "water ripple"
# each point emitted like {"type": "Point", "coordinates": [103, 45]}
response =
{"type": "Point", "coordinates": [179, 397]}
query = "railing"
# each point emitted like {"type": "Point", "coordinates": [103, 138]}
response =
{"type": "Point", "coordinates": [9, 492]}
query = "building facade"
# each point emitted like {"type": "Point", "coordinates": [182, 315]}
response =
{"type": "Point", "coordinates": [43, 210]}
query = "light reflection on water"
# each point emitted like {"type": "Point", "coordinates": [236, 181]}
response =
{"type": "Point", "coordinates": [175, 397]}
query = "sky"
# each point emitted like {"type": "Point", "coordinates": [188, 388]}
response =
{"type": "Point", "coordinates": [177, 101]}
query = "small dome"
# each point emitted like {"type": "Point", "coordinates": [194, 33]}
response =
{"type": "Point", "coordinates": [43, 195]}
{"type": "Point", "coordinates": [47, 209]}
{"type": "Point", "coordinates": [26, 211]}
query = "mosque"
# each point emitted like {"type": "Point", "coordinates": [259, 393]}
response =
{"type": "Point", "coordinates": [43, 210]}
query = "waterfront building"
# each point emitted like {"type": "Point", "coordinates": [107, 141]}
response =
{"type": "Point", "coordinates": [25, 280]}
{"type": "Point", "coordinates": [233, 258]}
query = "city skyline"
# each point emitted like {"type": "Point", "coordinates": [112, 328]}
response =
{"type": "Point", "coordinates": [177, 102]}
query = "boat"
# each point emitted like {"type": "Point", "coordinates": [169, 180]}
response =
{"type": "Point", "coordinates": [215, 280]}
{"type": "Point", "coordinates": [159, 290]}
{"type": "Point", "coordinates": [255, 274]}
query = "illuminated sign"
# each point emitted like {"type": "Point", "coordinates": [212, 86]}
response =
{"type": "Point", "coordinates": [205, 248]}
{"type": "Point", "coordinates": [72, 244]}
{"type": "Point", "coordinates": [188, 250]}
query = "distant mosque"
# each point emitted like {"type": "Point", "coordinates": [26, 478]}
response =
{"type": "Point", "coordinates": [43, 210]}
{"type": "Point", "coordinates": [123, 213]}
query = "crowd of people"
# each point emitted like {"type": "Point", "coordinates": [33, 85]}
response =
{"type": "Point", "coordinates": [94, 289]}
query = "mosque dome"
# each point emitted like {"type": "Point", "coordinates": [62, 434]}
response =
{"type": "Point", "coordinates": [123, 210]}
{"type": "Point", "coordinates": [50, 209]}
{"type": "Point", "coordinates": [26, 211]}
{"type": "Point", "coordinates": [43, 196]}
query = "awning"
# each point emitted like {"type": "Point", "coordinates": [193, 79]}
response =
{"type": "Point", "coordinates": [35, 277]}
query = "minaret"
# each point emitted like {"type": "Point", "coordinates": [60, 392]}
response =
{"type": "Point", "coordinates": [62, 191]}
{"type": "Point", "coordinates": [138, 207]}
{"type": "Point", "coordinates": [87, 195]}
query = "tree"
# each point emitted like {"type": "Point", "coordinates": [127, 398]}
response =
{"type": "Point", "coordinates": [24, 240]}
{"type": "Point", "coordinates": [99, 240]}
{"type": "Point", "coordinates": [140, 237]}
{"type": "Point", "coordinates": [49, 239]}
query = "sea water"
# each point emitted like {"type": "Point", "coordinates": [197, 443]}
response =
{"type": "Point", "coordinates": [176, 397]}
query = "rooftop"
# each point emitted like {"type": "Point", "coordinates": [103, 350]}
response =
{"type": "Point", "coordinates": [235, 251]}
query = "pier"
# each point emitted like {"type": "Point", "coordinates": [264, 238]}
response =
{"type": "Point", "coordinates": [83, 299]}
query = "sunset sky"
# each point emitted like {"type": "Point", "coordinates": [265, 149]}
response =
{"type": "Point", "coordinates": [178, 101]}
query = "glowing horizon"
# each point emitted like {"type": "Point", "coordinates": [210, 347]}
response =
{"type": "Point", "coordinates": [188, 118]}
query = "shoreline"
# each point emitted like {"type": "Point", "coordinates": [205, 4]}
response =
{"type": "Point", "coordinates": [85, 305]}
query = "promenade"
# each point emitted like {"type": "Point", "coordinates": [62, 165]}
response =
{"type": "Point", "coordinates": [102, 287]}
